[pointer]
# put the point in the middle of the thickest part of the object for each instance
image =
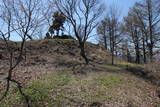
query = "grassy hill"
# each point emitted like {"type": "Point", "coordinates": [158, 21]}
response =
{"type": "Point", "coordinates": [53, 75]}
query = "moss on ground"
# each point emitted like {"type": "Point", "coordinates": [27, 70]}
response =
{"type": "Point", "coordinates": [58, 89]}
{"type": "Point", "coordinates": [38, 91]}
{"type": "Point", "coordinates": [127, 64]}
{"type": "Point", "coordinates": [110, 81]}
{"type": "Point", "coordinates": [109, 67]}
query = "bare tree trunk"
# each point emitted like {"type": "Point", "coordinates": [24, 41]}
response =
{"type": "Point", "coordinates": [105, 42]}
{"type": "Point", "coordinates": [150, 19]}
{"type": "Point", "coordinates": [137, 54]}
{"type": "Point", "coordinates": [144, 51]}
{"type": "Point", "coordinates": [57, 32]}
{"type": "Point", "coordinates": [112, 58]}
{"type": "Point", "coordinates": [105, 39]}
{"type": "Point", "coordinates": [112, 47]}
{"type": "Point", "coordinates": [151, 53]}
{"type": "Point", "coordinates": [83, 54]}
{"type": "Point", "coordinates": [128, 55]}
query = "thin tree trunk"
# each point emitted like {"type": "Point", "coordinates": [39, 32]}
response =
{"type": "Point", "coordinates": [105, 42]}
{"type": "Point", "coordinates": [113, 54]}
{"type": "Point", "coordinates": [105, 39]}
{"type": "Point", "coordinates": [112, 46]}
{"type": "Point", "coordinates": [57, 32]}
{"type": "Point", "coordinates": [128, 56]}
{"type": "Point", "coordinates": [137, 54]}
{"type": "Point", "coordinates": [112, 58]}
{"type": "Point", "coordinates": [151, 53]}
{"type": "Point", "coordinates": [144, 51]}
{"type": "Point", "coordinates": [150, 17]}
{"type": "Point", "coordinates": [83, 54]}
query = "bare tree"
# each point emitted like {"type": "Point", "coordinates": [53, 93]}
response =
{"type": "Point", "coordinates": [83, 15]}
{"type": "Point", "coordinates": [126, 50]}
{"type": "Point", "coordinates": [138, 16]}
{"type": "Point", "coordinates": [22, 19]}
{"type": "Point", "coordinates": [102, 32]}
{"type": "Point", "coordinates": [112, 30]}
{"type": "Point", "coordinates": [134, 32]}
{"type": "Point", "coordinates": [149, 18]}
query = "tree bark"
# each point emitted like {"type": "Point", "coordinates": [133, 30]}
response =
{"type": "Point", "coordinates": [105, 42]}
{"type": "Point", "coordinates": [150, 19]}
{"type": "Point", "coordinates": [151, 52]}
{"type": "Point", "coordinates": [112, 57]}
{"type": "Point", "coordinates": [137, 54]}
{"type": "Point", "coordinates": [144, 51]}
{"type": "Point", "coordinates": [83, 54]}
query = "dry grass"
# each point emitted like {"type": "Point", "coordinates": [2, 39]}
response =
{"type": "Point", "coordinates": [106, 89]}
{"type": "Point", "coordinates": [49, 80]}
{"type": "Point", "coordinates": [153, 71]}
{"type": "Point", "coordinates": [153, 67]}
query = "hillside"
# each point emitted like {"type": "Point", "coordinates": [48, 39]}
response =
{"type": "Point", "coordinates": [53, 75]}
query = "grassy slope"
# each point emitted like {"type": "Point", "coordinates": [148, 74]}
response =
{"type": "Point", "coordinates": [100, 85]}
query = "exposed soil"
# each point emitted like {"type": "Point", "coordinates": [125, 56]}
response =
{"type": "Point", "coordinates": [51, 56]}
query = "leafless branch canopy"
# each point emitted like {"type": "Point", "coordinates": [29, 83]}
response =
{"type": "Point", "coordinates": [82, 14]}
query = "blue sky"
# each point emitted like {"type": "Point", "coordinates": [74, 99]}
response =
{"type": "Point", "coordinates": [123, 5]}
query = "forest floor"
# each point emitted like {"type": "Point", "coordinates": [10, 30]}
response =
{"type": "Point", "coordinates": [53, 75]}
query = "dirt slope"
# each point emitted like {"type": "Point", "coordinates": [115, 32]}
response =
{"type": "Point", "coordinates": [56, 70]}
{"type": "Point", "coordinates": [43, 55]}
